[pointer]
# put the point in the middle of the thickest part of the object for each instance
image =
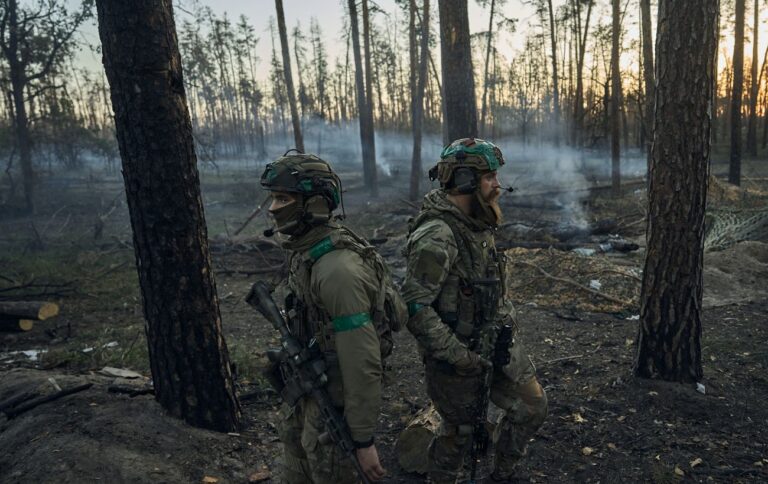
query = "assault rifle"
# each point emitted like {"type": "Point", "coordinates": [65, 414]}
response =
{"type": "Point", "coordinates": [302, 369]}
{"type": "Point", "coordinates": [486, 300]}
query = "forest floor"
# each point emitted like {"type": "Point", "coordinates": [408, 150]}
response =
{"type": "Point", "coordinates": [604, 425]}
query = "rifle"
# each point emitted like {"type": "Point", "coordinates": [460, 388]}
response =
{"type": "Point", "coordinates": [486, 300]}
{"type": "Point", "coordinates": [302, 369]}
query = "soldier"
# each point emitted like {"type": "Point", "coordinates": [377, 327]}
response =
{"type": "Point", "coordinates": [334, 296]}
{"type": "Point", "coordinates": [451, 259]}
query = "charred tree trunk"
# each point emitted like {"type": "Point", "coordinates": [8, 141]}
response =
{"type": "Point", "coordinates": [188, 355]}
{"type": "Point", "coordinates": [555, 90]}
{"type": "Point", "coordinates": [581, 45]}
{"type": "Point", "coordinates": [369, 160]}
{"type": "Point", "coordinates": [669, 339]}
{"type": "Point", "coordinates": [645, 13]}
{"type": "Point", "coordinates": [615, 100]}
{"type": "Point", "coordinates": [458, 80]}
{"type": "Point", "coordinates": [754, 86]}
{"type": "Point", "coordinates": [288, 76]}
{"type": "Point", "coordinates": [418, 101]}
{"type": "Point", "coordinates": [370, 140]}
{"type": "Point", "coordinates": [734, 171]}
{"type": "Point", "coordinates": [489, 44]}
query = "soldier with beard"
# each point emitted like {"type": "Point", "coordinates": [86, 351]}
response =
{"type": "Point", "coordinates": [452, 261]}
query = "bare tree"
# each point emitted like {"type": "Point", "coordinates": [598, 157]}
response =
{"type": "Point", "coordinates": [647, 45]}
{"type": "Point", "coordinates": [754, 86]}
{"type": "Point", "coordinates": [188, 356]}
{"type": "Point", "coordinates": [581, 49]}
{"type": "Point", "coordinates": [484, 104]}
{"type": "Point", "coordinates": [369, 157]}
{"type": "Point", "coordinates": [734, 171]}
{"type": "Point", "coordinates": [370, 140]}
{"type": "Point", "coordinates": [669, 336]}
{"type": "Point", "coordinates": [615, 100]}
{"type": "Point", "coordinates": [417, 100]}
{"type": "Point", "coordinates": [288, 76]}
{"type": "Point", "coordinates": [33, 40]}
{"type": "Point", "coordinates": [458, 80]}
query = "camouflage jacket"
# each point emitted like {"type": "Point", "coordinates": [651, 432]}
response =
{"type": "Point", "coordinates": [447, 252]}
{"type": "Point", "coordinates": [330, 297]}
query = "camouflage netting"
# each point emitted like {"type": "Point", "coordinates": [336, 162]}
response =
{"type": "Point", "coordinates": [734, 214]}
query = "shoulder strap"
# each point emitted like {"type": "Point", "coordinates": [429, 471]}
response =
{"type": "Point", "coordinates": [458, 234]}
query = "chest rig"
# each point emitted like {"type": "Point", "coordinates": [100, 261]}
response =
{"type": "Point", "coordinates": [308, 317]}
{"type": "Point", "coordinates": [472, 293]}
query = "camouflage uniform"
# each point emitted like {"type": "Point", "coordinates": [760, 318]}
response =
{"type": "Point", "coordinates": [446, 251]}
{"type": "Point", "coordinates": [331, 295]}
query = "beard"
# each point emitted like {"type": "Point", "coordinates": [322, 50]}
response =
{"type": "Point", "coordinates": [487, 209]}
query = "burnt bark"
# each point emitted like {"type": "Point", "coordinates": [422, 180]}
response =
{"type": "Point", "coordinates": [734, 170]}
{"type": "Point", "coordinates": [188, 355]}
{"type": "Point", "coordinates": [488, 48]}
{"type": "Point", "coordinates": [458, 80]}
{"type": "Point", "coordinates": [615, 100]}
{"type": "Point", "coordinates": [363, 100]}
{"type": "Point", "coordinates": [645, 14]}
{"type": "Point", "coordinates": [555, 79]}
{"type": "Point", "coordinates": [418, 100]}
{"type": "Point", "coordinates": [754, 85]}
{"type": "Point", "coordinates": [669, 335]}
{"type": "Point", "coordinates": [298, 139]}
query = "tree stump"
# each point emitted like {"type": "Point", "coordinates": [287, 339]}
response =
{"type": "Point", "coordinates": [413, 442]}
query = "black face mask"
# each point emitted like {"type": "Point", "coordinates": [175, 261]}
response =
{"type": "Point", "coordinates": [298, 217]}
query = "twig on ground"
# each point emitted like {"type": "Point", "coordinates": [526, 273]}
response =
{"type": "Point", "coordinates": [564, 358]}
{"type": "Point", "coordinates": [573, 283]}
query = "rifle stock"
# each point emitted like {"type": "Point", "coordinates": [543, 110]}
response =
{"type": "Point", "coordinates": [303, 370]}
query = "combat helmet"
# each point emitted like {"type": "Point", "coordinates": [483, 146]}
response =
{"type": "Point", "coordinates": [313, 182]}
{"type": "Point", "coordinates": [462, 162]}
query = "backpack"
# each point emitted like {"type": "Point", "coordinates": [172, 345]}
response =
{"type": "Point", "coordinates": [390, 313]}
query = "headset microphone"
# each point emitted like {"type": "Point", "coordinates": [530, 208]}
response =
{"type": "Point", "coordinates": [507, 189]}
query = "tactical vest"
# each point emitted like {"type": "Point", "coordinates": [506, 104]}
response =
{"type": "Point", "coordinates": [307, 315]}
{"type": "Point", "coordinates": [460, 303]}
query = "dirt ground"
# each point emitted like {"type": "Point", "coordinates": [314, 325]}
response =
{"type": "Point", "coordinates": [604, 425]}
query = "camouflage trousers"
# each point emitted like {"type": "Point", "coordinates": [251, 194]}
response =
{"type": "Point", "coordinates": [514, 389]}
{"type": "Point", "coordinates": [305, 459]}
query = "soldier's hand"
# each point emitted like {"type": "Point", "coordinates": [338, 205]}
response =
{"type": "Point", "coordinates": [471, 364]}
{"type": "Point", "coordinates": [369, 461]}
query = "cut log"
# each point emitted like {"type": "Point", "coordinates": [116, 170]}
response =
{"type": "Point", "coordinates": [413, 442]}
{"type": "Point", "coordinates": [39, 310]}
{"type": "Point", "coordinates": [13, 324]}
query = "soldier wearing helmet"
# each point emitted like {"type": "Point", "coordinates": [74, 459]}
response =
{"type": "Point", "coordinates": [332, 297]}
{"type": "Point", "coordinates": [455, 291]}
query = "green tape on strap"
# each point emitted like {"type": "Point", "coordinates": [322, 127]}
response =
{"type": "Point", "coordinates": [414, 308]}
{"type": "Point", "coordinates": [321, 248]}
{"type": "Point", "coordinates": [350, 322]}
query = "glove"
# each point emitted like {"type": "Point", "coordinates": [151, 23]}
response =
{"type": "Point", "coordinates": [471, 364]}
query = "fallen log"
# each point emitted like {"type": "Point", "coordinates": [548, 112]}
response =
{"type": "Point", "coordinates": [15, 400]}
{"type": "Point", "coordinates": [15, 324]}
{"type": "Point", "coordinates": [610, 246]}
{"type": "Point", "coordinates": [39, 310]}
{"type": "Point", "coordinates": [18, 410]}
{"type": "Point", "coordinates": [413, 442]}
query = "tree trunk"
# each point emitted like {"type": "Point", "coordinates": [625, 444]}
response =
{"type": "Point", "coordinates": [581, 44]}
{"type": "Point", "coordinates": [362, 103]}
{"type": "Point", "coordinates": [752, 122]}
{"type": "Point", "coordinates": [734, 171]}
{"type": "Point", "coordinates": [288, 76]}
{"type": "Point", "coordinates": [615, 100]}
{"type": "Point", "coordinates": [370, 140]}
{"type": "Point", "coordinates": [669, 336]}
{"type": "Point", "coordinates": [555, 90]}
{"type": "Point", "coordinates": [418, 102]}
{"type": "Point", "coordinates": [647, 41]}
{"type": "Point", "coordinates": [188, 355]}
{"type": "Point", "coordinates": [484, 106]}
{"type": "Point", "coordinates": [21, 123]}
{"type": "Point", "coordinates": [458, 80]}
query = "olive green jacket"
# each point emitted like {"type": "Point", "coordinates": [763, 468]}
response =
{"type": "Point", "coordinates": [441, 266]}
{"type": "Point", "coordinates": [340, 292]}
